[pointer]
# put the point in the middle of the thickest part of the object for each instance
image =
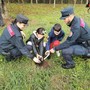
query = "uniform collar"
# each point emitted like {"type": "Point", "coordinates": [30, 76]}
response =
{"type": "Point", "coordinates": [70, 24]}
{"type": "Point", "coordinates": [17, 27]}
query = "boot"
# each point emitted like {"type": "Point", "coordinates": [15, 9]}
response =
{"type": "Point", "coordinates": [69, 62]}
{"type": "Point", "coordinates": [68, 66]}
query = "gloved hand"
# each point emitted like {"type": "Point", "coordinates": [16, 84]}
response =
{"type": "Point", "coordinates": [47, 52]}
{"type": "Point", "coordinates": [40, 57]}
{"type": "Point", "coordinates": [36, 60]}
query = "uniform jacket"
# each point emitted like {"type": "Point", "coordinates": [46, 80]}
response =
{"type": "Point", "coordinates": [9, 41]}
{"type": "Point", "coordinates": [52, 37]}
{"type": "Point", "coordinates": [80, 32]}
{"type": "Point", "coordinates": [37, 43]}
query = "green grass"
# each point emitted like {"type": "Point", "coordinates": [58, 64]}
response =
{"type": "Point", "coordinates": [23, 74]}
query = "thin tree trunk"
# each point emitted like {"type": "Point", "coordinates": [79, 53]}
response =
{"type": "Point", "coordinates": [87, 1]}
{"type": "Point", "coordinates": [8, 1]}
{"type": "Point", "coordinates": [74, 2]}
{"type": "Point", "coordinates": [18, 1]}
{"type": "Point", "coordinates": [3, 6]}
{"type": "Point", "coordinates": [22, 1]}
{"type": "Point", "coordinates": [36, 1]}
{"type": "Point", "coordinates": [43, 1]}
{"type": "Point", "coordinates": [54, 3]}
{"type": "Point", "coordinates": [61, 1]}
{"type": "Point", "coordinates": [31, 1]}
{"type": "Point", "coordinates": [81, 1]}
{"type": "Point", "coordinates": [49, 1]}
{"type": "Point", "coordinates": [4, 10]}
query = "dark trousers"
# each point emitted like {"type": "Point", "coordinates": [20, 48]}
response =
{"type": "Point", "coordinates": [30, 48]}
{"type": "Point", "coordinates": [73, 50]}
{"type": "Point", "coordinates": [14, 54]}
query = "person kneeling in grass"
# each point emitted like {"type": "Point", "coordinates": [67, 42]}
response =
{"type": "Point", "coordinates": [55, 36]}
{"type": "Point", "coordinates": [11, 40]}
{"type": "Point", "coordinates": [36, 44]}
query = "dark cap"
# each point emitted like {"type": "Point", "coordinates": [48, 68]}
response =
{"type": "Point", "coordinates": [66, 12]}
{"type": "Point", "coordinates": [21, 18]}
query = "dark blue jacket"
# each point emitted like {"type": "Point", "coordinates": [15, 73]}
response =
{"type": "Point", "coordinates": [52, 37]}
{"type": "Point", "coordinates": [80, 33]}
{"type": "Point", "coordinates": [9, 41]}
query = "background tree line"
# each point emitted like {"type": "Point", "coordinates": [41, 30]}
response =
{"type": "Point", "coordinates": [4, 2]}
{"type": "Point", "coordinates": [49, 1]}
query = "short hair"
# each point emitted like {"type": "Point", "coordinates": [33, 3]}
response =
{"type": "Point", "coordinates": [57, 27]}
{"type": "Point", "coordinates": [40, 30]}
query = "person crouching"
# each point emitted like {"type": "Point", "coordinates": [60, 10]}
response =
{"type": "Point", "coordinates": [35, 44]}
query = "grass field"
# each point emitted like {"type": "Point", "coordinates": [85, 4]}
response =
{"type": "Point", "coordinates": [23, 74]}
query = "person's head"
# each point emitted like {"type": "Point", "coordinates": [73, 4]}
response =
{"type": "Point", "coordinates": [57, 28]}
{"type": "Point", "coordinates": [67, 14]}
{"type": "Point", "coordinates": [21, 21]}
{"type": "Point", "coordinates": [40, 32]}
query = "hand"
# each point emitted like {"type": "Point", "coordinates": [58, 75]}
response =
{"type": "Point", "coordinates": [52, 50]}
{"type": "Point", "coordinates": [36, 60]}
{"type": "Point", "coordinates": [40, 57]}
{"type": "Point", "coordinates": [47, 52]}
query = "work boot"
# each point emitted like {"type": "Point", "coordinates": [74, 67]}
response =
{"type": "Point", "coordinates": [8, 58]}
{"type": "Point", "coordinates": [68, 66]}
{"type": "Point", "coordinates": [69, 62]}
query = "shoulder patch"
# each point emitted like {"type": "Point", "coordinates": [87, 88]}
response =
{"type": "Point", "coordinates": [82, 24]}
{"type": "Point", "coordinates": [11, 32]}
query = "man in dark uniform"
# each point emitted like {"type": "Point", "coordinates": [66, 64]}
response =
{"type": "Point", "coordinates": [11, 40]}
{"type": "Point", "coordinates": [78, 42]}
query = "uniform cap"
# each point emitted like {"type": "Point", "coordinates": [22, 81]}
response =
{"type": "Point", "coordinates": [21, 18]}
{"type": "Point", "coordinates": [66, 12]}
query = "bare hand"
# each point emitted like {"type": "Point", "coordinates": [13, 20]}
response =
{"type": "Point", "coordinates": [52, 50]}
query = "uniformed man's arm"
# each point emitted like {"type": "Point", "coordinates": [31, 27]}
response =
{"type": "Point", "coordinates": [18, 42]}
{"type": "Point", "coordinates": [74, 35]}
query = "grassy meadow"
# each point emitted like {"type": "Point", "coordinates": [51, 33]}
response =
{"type": "Point", "coordinates": [23, 74]}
